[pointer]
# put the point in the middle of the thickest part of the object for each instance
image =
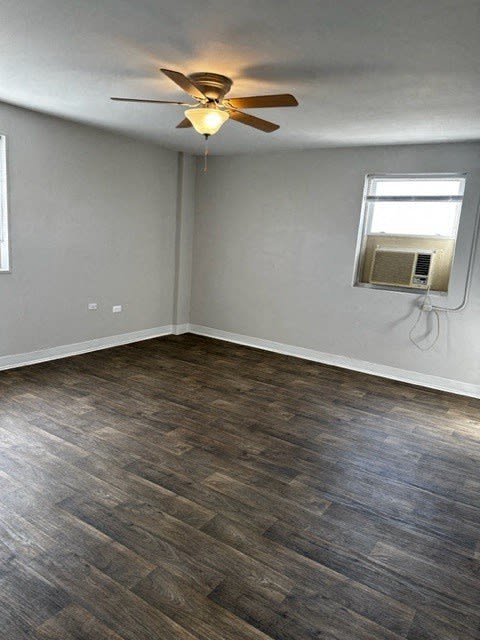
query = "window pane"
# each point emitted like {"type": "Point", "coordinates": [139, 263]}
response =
{"type": "Point", "coordinates": [415, 218]}
{"type": "Point", "coordinates": [416, 187]}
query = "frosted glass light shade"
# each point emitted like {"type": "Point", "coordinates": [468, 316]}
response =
{"type": "Point", "coordinates": [206, 121]}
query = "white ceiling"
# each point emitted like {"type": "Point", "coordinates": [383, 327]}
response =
{"type": "Point", "coordinates": [364, 71]}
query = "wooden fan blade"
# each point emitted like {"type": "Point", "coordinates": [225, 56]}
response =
{"type": "Point", "coordinates": [253, 121]}
{"type": "Point", "coordinates": [184, 124]}
{"type": "Point", "coordinates": [186, 104]}
{"type": "Point", "coordinates": [184, 83]}
{"type": "Point", "coordinates": [259, 102]}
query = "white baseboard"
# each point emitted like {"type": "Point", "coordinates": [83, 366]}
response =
{"type": "Point", "coordinates": [63, 351]}
{"type": "Point", "coordinates": [384, 371]}
{"type": "Point", "coordinates": [178, 329]}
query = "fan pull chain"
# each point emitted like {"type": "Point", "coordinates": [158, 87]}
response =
{"type": "Point", "coordinates": [205, 157]}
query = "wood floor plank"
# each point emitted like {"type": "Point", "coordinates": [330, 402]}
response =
{"type": "Point", "coordinates": [75, 623]}
{"type": "Point", "coordinates": [314, 582]}
{"type": "Point", "coordinates": [396, 584]}
{"type": "Point", "coordinates": [154, 549]}
{"type": "Point", "coordinates": [114, 606]}
{"type": "Point", "coordinates": [215, 502]}
{"type": "Point", "coordinates": [27, 599]}
{"type": "Point", "coordinates": [199, 614]}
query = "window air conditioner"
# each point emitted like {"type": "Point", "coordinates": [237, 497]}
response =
{"type": "Point", "coordinates": [402, 268]}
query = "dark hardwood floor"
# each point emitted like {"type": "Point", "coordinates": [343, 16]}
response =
{"type": "Point", "coordinates": [184, 488]}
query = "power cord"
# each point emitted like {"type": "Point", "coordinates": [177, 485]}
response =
{"type": "Point", "coordinates": [427, 307]}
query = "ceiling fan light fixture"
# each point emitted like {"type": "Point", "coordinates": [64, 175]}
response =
{"type": "Point", "coordinates": [206, 121]}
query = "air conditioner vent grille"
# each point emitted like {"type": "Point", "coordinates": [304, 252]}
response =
{"type": "Point", "coordinates": [422, 267]}
{"type": "Point", "coordinates": [393, 267]}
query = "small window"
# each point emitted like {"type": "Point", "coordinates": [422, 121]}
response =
{"type": "Point", "coordinates": [4, 245]}
{"type": "Point", "coordinates": [409, 222]}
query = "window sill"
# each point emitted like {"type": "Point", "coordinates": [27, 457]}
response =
{"type": "Point", "coordinates": [417, 292]}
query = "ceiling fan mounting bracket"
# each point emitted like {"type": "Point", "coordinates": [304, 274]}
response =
{"type": "Point", "coordinates": [213, 85]}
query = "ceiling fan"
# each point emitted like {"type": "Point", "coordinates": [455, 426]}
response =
{"type": "Point", "coordinates": [211, 109]}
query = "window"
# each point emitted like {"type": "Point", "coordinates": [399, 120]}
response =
{"type": "Point", "coordinates": [408, 220]}
{"type": "Point", "coordinates": [4, 246]}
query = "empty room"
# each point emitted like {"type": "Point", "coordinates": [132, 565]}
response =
{"type": "Point", "coordinates": [239, 320]}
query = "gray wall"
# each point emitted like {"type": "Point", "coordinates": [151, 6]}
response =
{"type": "Point", "coordinates": [275, 239]}
{"type": "Point", "coordinates": [92, 218]}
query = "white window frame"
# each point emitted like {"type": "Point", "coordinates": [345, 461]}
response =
{"type": "Point", "coordinates": [365, 217]}
{"type": "Point", "coordinates": [367, 214]}
{"type": "Point", "coordinates": [4, 225]}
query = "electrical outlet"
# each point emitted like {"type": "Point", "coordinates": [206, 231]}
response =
{"type": "Point", "coordinates": [116, 308]}
{"type": "Point", "coordinates": [92, 306]}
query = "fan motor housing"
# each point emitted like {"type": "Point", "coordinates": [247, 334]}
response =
{"type": "Point", "coordinates": [213, 85]}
